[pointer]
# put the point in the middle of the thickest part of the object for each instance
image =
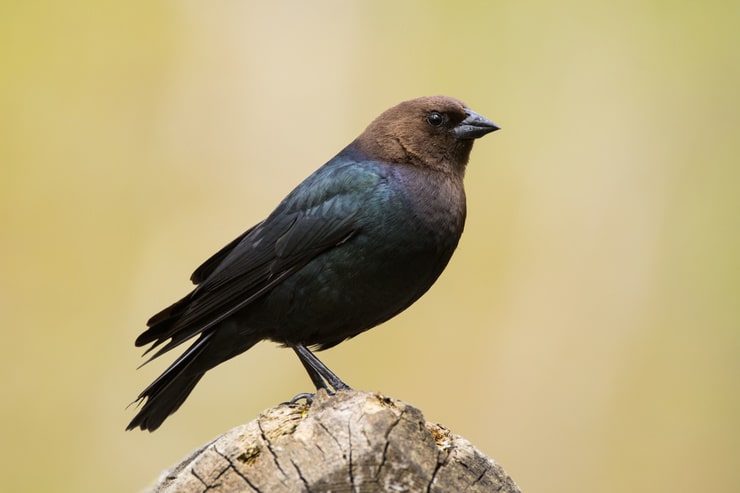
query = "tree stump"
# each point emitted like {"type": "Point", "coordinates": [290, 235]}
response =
{"type": "Point", "coordinates": [349, 442]}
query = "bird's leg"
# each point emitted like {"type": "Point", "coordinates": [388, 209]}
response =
{"type": "Point", "coordinates": [315, 376]}
{"type": "Point", "coordinates": [318, 382]}
{"type": "Point", "coordinates": [321, 376]}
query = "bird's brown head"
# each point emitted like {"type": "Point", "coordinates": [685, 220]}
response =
{"type": "Point", "coordinates": [435, 132]}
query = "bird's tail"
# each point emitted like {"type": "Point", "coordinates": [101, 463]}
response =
{"type": "Point", "coordinates": [167, 393]}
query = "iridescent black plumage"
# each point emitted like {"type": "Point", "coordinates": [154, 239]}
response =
{"type": "Point", "coordinates": [353, 245]}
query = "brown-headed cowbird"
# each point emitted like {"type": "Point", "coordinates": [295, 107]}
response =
{"type": "Point", "coordinates": [353, 245]}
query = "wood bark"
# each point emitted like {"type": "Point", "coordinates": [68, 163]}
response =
{"type": "Point", "coordinates": [349, 442]}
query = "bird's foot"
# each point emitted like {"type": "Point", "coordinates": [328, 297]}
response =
{"type": "Point", "coordinates": [340, 385]}
{"type": "Point", "coordinates": [303, 395]}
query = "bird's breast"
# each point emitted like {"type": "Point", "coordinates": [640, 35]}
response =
{"type": "Point", "coordinates": [405, 236]}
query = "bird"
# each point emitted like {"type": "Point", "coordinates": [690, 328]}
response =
{"type": "Point", "coordinates": [353, 245]}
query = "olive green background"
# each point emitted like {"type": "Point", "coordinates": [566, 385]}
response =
{"type": "Point", "coordinates": [586, 334]}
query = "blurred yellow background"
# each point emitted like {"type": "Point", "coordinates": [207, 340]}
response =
{"type": "Point", "coordinates": [586, 334]}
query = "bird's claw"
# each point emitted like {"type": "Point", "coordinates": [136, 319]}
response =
{"type": "Point", "coordinates": [303, 395]}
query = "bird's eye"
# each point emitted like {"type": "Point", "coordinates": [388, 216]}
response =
{"type": "Point", "coordinates": [435, 118]}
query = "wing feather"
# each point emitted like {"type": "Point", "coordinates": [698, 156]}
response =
{"type": "Point", "coordinates": [304, 226]}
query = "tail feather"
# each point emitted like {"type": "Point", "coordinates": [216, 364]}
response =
{"type": "Point", "coordinates": [167, 393]}
{"type": "Point", "coordinates": [158, 407]}
{"type": "Point", "coordinates": [160, 325]}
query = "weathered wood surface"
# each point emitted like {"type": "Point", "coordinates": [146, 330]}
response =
{"type": "Point", "coordinates": [350, 442]}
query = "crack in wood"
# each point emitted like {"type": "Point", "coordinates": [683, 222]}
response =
{"type": "Point", "coordinates": [301, 477]}
{"type": "Point", "coordinates": [236, 470]}
{"type": "Point", "coordinates": [268, 444]}
{"type": "Point", "coordinates": [352, 441]}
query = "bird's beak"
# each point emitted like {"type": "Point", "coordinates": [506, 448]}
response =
{"type": "Point", "coordinates": [474, 126]}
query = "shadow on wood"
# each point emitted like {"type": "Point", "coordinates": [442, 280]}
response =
{"type": "Point", "coordinates": [350, 442]}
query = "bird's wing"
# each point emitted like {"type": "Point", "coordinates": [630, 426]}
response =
{"type": "Point", "coordinates": [207, 267]}
{"type": "Point", "coordinates": [319, 215]}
